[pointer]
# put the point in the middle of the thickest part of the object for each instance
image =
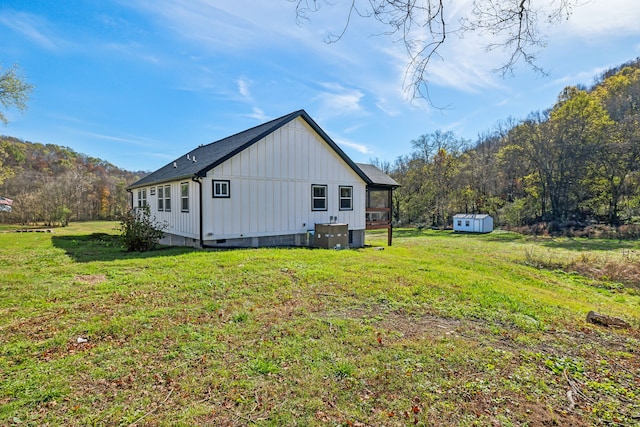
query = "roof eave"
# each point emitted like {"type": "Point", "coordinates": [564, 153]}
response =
{"type": "Point", "coordinates": [161, 181]}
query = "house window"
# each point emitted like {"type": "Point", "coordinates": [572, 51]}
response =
{"type": "Point", "coordinates": [152, 191]}
{"type": "Point", "coordinates": [459, 223]}
{"type": "Point", "coordinates": [160, 198]}
{"type": "Point", "coordinates": [167, 198]}
{"type": "Point", "coordinates": [221, 189]}
{"type": "Point", "coordinates": [142, 198]}
{"type": "Point", "coordinates": [184, 197]}
{"type": "Point", "coordinates": [318, 197]}
{"type": "Point", "coordinates": [346, 198]}
{"type": "Point", "coordinates": [467, 223]}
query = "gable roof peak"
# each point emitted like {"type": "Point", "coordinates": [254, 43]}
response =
{"type": "Point", "coordinates": [197, 162]}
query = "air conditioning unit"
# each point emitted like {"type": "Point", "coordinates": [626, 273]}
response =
{"type": "Point", "coordinates": [331, 236]}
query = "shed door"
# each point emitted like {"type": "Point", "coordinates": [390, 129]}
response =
{"type": "Point", "coordinates": [476, 225]}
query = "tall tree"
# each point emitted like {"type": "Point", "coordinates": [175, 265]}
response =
{"type": "Point", "coordinates": [527, 158]}
{"type": "Point", "coordinates": [14, 91]}
{"type": "Point", "coordinates": [579, 123]}
{"type": "Point", "coordinates": [619, 151]}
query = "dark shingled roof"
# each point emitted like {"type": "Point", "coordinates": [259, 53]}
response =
{"type": "Point", "coordinates": [376, 176]}
{"type": "Point", "coordinates": [204, 158]}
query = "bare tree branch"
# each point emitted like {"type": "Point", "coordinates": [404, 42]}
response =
{"type": "Point", "coordinates": [517, 26]}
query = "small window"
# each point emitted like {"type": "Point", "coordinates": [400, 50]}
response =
{"type": "Point", "coordinates": [142, 198]}
{"type": "Point", "coordinates": [467, 223]}
{"type": "Point", "coordinates": [160, 198]}
{"type": "Point", "coordinates": [152, 191]}
{"type": "Point", "coordinates": [459, 223]}
{"type": "Point", "coordinates": [346, 198]}
{"type": "Point", "coordinates": [319, 197]}
{"type": "Point", "coordinates": [167, 198]}
{"type": "Point", "coordinates": [221, 189]}
{"type": "Point", "coordinates": [184, 197]}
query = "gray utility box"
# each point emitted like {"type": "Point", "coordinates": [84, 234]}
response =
{"type": "Point", "coordinates": [331, 236]}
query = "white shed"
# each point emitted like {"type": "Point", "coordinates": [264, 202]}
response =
{"type": "Point", "coordinates": [473, 223]}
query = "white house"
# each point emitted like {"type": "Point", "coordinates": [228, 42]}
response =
{"type": "Point", "coordinates": [265, 186]}
{"type": "Point", "coordinates": [473, 223]}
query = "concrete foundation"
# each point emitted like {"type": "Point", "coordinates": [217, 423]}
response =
{"type": "Point", "coordinates": [356, 240]}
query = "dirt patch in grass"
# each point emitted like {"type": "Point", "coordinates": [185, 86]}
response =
{"type": "Point", "coordinates": [70, 349]}
{"type": "Point", "coordinates": [90, 279]}
{"type": "Point", "coordinates": [38, 328]}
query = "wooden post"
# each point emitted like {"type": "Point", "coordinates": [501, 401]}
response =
{"type": "Point", "coordinates": [390, 229]}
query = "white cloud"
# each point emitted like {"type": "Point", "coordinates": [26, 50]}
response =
{"type": "Point", "coordinates": [388, 108]}
{"type": "Point", "coordinates": [243, 88]}
{"type": "Point", "coordinates": [258, 114]}
{"type": "Point", "coordinates": [132, 51]}
{"type": "Point", "coordinates": [31, 27]}
{"type": "Point", "coordinates": [361, 148]}
{"type": "Point", "coordinates": [582, 77]}
{"type": "Point", "coordinates": [338, 100]}
{"type": "Point", "coordinates": [603, 18]}
{"type": "Point", "coordinates": [466, 74]}
{"type": "Point", "coordinates": [136, 140]}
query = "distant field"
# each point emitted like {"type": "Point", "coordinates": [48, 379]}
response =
{"type": "Point", "coordinates": [441, 329]}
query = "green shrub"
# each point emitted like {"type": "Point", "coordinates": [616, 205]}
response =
{"type": "Point", "coordinates": [138, 231]}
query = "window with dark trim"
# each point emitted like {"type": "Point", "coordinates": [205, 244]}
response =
{"type": "Point", "coordinates": [184, 197]}
{"type": "Point", "coordinates": [160, 198]}
{"type": "Point", "coordinates": [142, 198]}
{"type": "Point", "coordinates": [318, 197]}
{"type": "Point", "coordinates": [346, 197]}
{"type": "Point", "coordinates": [167, 198]}
{"type": "Point", "coordinates": [221, 188]}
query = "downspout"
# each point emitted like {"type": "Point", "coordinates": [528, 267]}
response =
{"type": "Point", "coordinates": [200, 220]}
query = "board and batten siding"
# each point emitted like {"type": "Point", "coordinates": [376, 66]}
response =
{"type": "Point", "coordinates": [179, 223]}
{"type": "Point", "coordinates": [270, 187]}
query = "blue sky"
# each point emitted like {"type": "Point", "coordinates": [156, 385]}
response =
{"type": "Point", "coordinates": [141, 82]}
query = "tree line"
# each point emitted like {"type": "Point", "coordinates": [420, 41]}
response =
{"type": "Point", "coordinates": [53, 185]}
{"type": "Point", "coordinates": [575, 163]}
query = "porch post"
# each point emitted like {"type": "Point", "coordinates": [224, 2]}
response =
{"type": "Point", "coordinates": [390, 229]}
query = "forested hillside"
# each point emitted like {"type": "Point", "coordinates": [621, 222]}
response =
{"type": "Point", "coordinates": [574, 164]}
{"type": "Point", "coordinates": [54, 185]}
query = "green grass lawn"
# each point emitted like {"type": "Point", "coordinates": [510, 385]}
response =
{"type": "Point", "coordinates": [440, 329]}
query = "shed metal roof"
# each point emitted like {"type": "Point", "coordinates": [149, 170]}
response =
{"type": "Point", "coordinates": [471, 216]}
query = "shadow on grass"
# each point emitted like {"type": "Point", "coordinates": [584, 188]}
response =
{"type": "Point", "coordinates": [107, 247]}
